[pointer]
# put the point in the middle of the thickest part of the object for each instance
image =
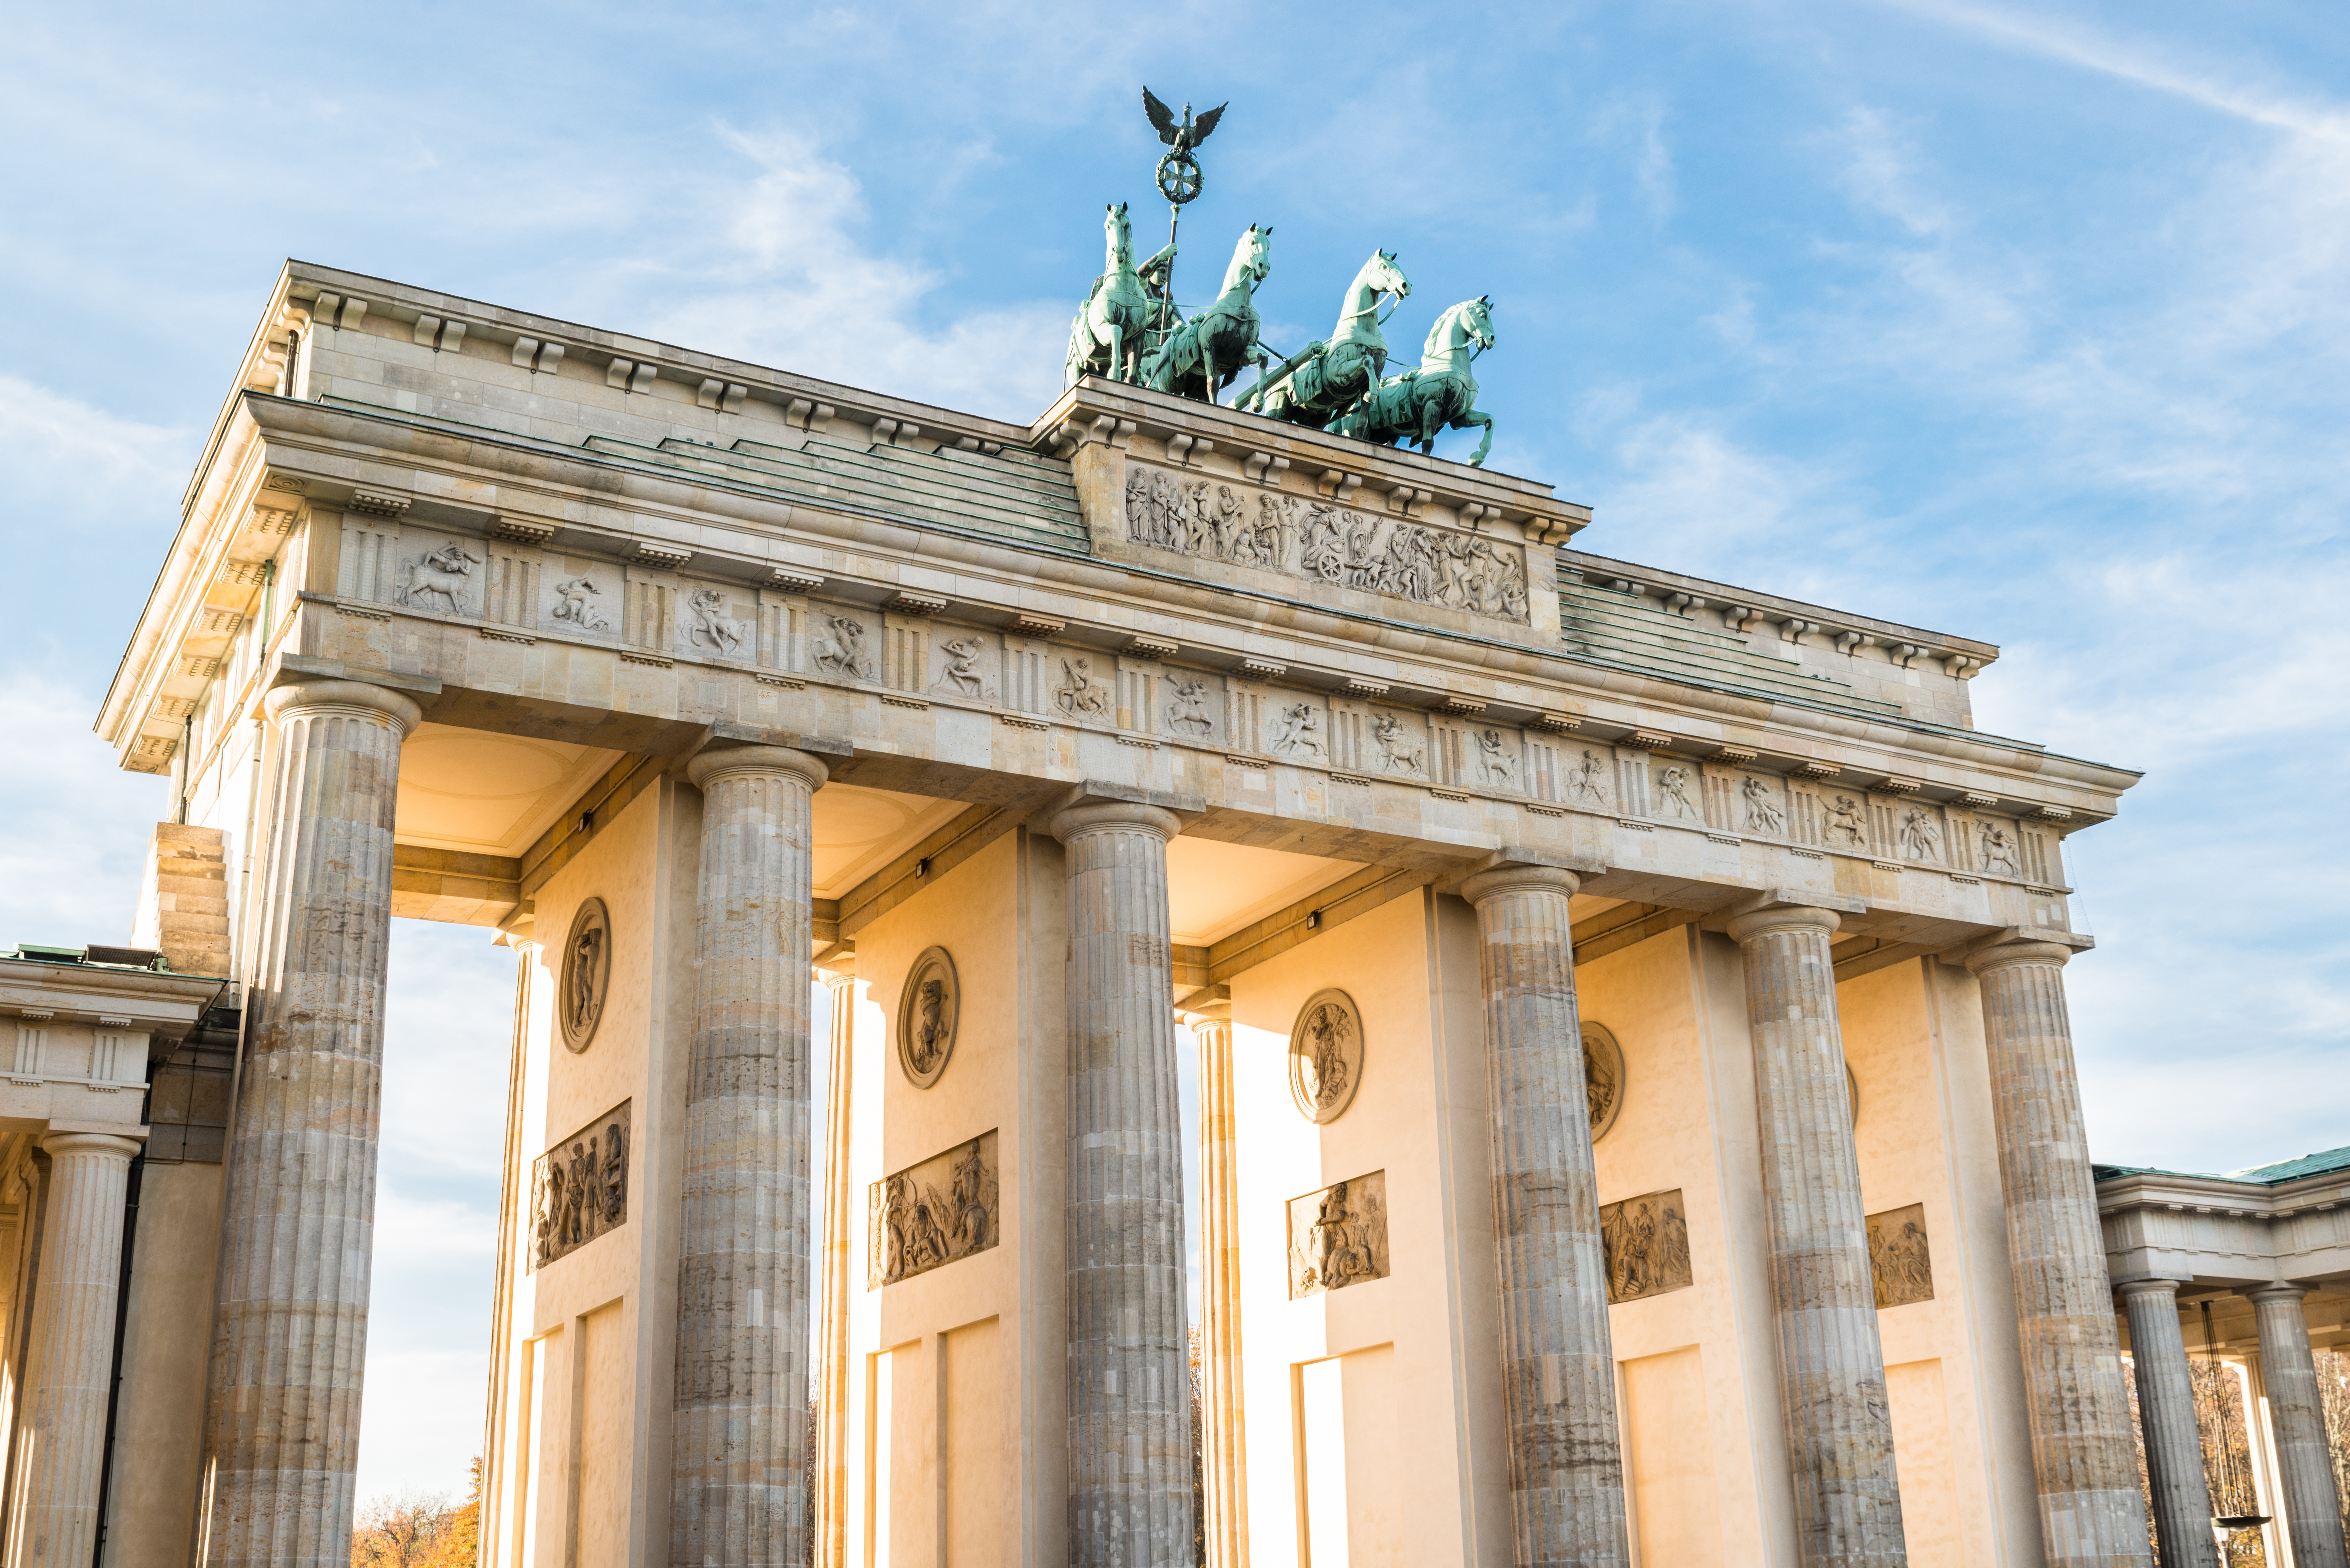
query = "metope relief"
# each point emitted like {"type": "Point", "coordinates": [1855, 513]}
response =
{"type": "Point", "coordinates": [440, 581]}
{"type": "Point", "coordinates": [1759, 810]}
{"type": "Point", "coordinates": [580, 1188]}
{"type": "Point", "coordinates": [841, 647]}
{"type": "Point", "coordinates": [710, 627]}
{"type": "Point", "coordinates": [1402, 750]}
{"type": "Point", "coordinates": [1587, 782]}
{"type": "Point", "coordinates": [1899, 1258]}
{"type": "Point", "coordinates": [1295, 732]}
{"type": "Point", "coordinates": [581, 603]}
{"type": "Point", "coordinates": [587, 974]}
{"type": "Point", "coordinates": [1326, 543]}
{"type": "Point", "coordinates": [1187, 709]}
{"type": "Point", "coordinates": [1646, 1243]}
{"type": "Point", "coordinates": [1603, 1078]}
{"type": "Point", "coordinates": [1326, 1057]}
{"type": "Point", "coordinates": [960, 674]}
{"type": "Point", "coordinates": [1919, 833]}
{"type": "Point", "coordinates": [1998, 850]}
{"type": "Point", "coordinates": [931, 1214]}
{"type": "Point", "coordinates": [1843, 824]}
{"type": "Point", "coordinates": [1677, 794]}
{"type": "Point", "coordinates": [927, 1015]}
{"type": "Point", "coordinates": [1338, 1236]}
{"type": "Point", "coordinates": [1080, 694]}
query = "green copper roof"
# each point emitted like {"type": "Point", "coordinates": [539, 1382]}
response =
{"type": "Point", "coordinates": [1603, 623]}
{"type": "Point", "coordinates": [2323, 1163]}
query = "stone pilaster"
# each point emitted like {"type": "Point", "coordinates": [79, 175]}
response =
{"type": "Point", "coordinates": [1566, 1472]}
{"type": "Point", "coordinates": [2166, 1412]}
{"type": "Point", "coordinates": [297, 1226]}
{"type": "Point", "coordinates": [1225, 1467]}
{"type": "Point", "coordinates": [61, 1437]}
{"type": "Point", "coordinates": [1831, 1365]}
{"type": "Point", "coordinates": [1129, 1442]}
{"type": "Point", "coordinates": [2312, 1506]}
{"type": "Point", "coordinates": [2092, 1513]}
{"type": "Point", "coordinates": [738, 1473]}
{"type": "Point", "coordinates": [832, 1386]}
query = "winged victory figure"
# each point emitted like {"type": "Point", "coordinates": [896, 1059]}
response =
{"type": "Point", "coordinates": [1182, 135]}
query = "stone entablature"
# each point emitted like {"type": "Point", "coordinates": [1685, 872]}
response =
{"type": "Point", "coordinates": [2162, 1224]}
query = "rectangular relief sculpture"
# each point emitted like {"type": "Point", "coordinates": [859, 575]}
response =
{"type": "Point", "coordinates": [579, 1188]}
{"type": "Point", "coordinates": [1646, 1242]}
{"type": "Point", "coordinates": [1899, 1258]}
{"type": "Point", "coordinates": [931, 1214]}
{"type": "Point", "coordinates": [1338, 1236]}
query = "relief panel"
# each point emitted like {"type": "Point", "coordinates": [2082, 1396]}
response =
{"type": "Point", "coordinates": [1338, 1236]}
{"type": "Point", "coordinates": [931, 1214]}
{"type": "Point", "coordinates": [580, 1188]}
{"type": "Point", "coordinates": [1646, 1242]}
{"type": "Point", "coordinates": [580, 598]}
{"type": "Point", "coordinates": [1899, 1258]}
{"type": "Point", "coordinates": [716, 622]}
{"type": "Point", "coordinates": [843, 645]}
{"type": "Point", "coordinates": [1677, 793]}
{"type": "Point", "coordinates": [964, 665]}
{"type": "Point", "coordinates": [1248, 525]}
{"type": "Point", "coordinates": [1759, 806]}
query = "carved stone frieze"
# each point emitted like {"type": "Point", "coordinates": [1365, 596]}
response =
{"type": "Point", "coordinates": [1920, 833]}
{"type": "Point", "coordinates": [933, 1213]}
{"type": "Point", "coordinates": [710, 627]}
{"type": "Point", "coordinates": [1326, 1057]}
{"type": "Point", "coordinates": [441, 580]}
{"type": "Point", "coordinates": [960, 674]}
{"type": "Point", "coordinates": [580, 1188]}
{"type": "Point", "coordinates": [1079, 694]}
{"type": "Point", "coordinates": [841, 647]}
{"type": "Point", "coordinates": [1324, 541]}
{"type": "Point", "coordinates": [1646, 1242]}
{"type": "Point", "coordinates": [1338, 1236]}
{"type": "Point", "coordinates": [582, 603]}
{"type": "Point", "coordinates": [1899, 1258]}
{"type": "Point", "coordinates": [927, 1015]}
{"type": "Point", "coordinates": [587, 974]}
{"type": "Point", "coordinates": [1759, 808]}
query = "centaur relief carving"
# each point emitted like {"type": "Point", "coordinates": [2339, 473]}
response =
{"type": "Point", "coordinates": [1325, 542]}
{"type": "Point", "coordinates": [580, 1188]}
{"type": "Point", "coordinates": [932, 1213]}
{"type": "Point", "coordinates": [1338, 1236]}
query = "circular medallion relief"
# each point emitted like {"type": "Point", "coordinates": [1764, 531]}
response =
{"type": "Point", "coordinates": [927, 1014]}
{"type": "Point", "coordinates": [1326, 1057]}
{"type": "Point", "coordinates": [587, 974]}
{"type": "Point", "coordinates": [1602, 1077]}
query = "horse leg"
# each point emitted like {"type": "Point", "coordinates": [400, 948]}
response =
{"type": "Point", "coordinates": [1473, 417]}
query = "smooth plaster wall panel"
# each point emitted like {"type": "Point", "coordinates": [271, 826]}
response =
{"type": "Point", "coordinates": [1668, 1465]}
{"type": "Point", "coordinates": [1354, 1493]}
{"type": "Point", "coordinates": [606, 1418]}
{"type": "Point", "coordinates": [1922, 1456]}
{"type": "Point", "coordinates": [983, 1482]}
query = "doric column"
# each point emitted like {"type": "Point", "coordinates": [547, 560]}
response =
{"type": "Point", "coordinates": [2313, 1507]}
{"type": "Point", "coordinates": [2166, 1410]}
{"type": "Point", "coordinates": [1566, 1472]}
{"type": "Point", "coordinates": [738, 1474]}
{"type": "Point", "coordinates": [1129, 1439]}
{"type": "Point", "coordinates": [61, 1440]}
{"type": "Point", "coordinates": [2092, 1513]}
{"type": "Point", "coordinates": [297, 1226]}
{"type": "Point", "coordinates": [1831, 1365]}
{"type": "Point", "coordinates": [1225, 1467]}
{"type": "Point", "coordinates": [832, 1381]}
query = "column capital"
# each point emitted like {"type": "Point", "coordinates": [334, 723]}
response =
{"type": "Point", "coordinates": [2280, 1291]}
{"type": "Point", "coordinates": [1782, 919]}
{"type": "Point", "coordinates": [1076, 822]}
{"type": "Point", "coordinates": [360, 698]}
{"type": "Point", "coordinates": [2130, 1289]}
{"type": "Point", "coordinates": [89, 1143]}
{"type": "Point", "coordinates": [723, 762]}
{"type": "Point", "coordinates": [836, 965]}
{"type": "Point", "coordinates": [1206, 1008]}
{"type": "Point", "coordinates": [1520, 876]}
{"type": "Point", "coordinates": [2011, 951]}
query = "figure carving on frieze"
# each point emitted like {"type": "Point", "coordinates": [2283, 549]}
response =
{"type": "Point", "coordinates": [1494, 763]}
{"type": "Point", "coordinates": [445, 575]}
{"type": "Point", "coordinates": [1674, 783]}
{"type": "Point", "coordinates": [712, 629]}
{"type": "Point", "coordinates": [1999, 850]}
{"type": "Point", "coordinates": [960, 672]}
{"type": "Point", "coordinates": [1920, 838]}
{"type": "Point", "coordinates": [576, 602]}
{"type": "Point", "coordinates": [1586, 781]}
{"type": "Point", "coordinates": [1189, 711]}
{"type": "Point", "coordinates": [1763, 813]}
{"type": "Point", "coordinates": [1298, 732]}
{"type": "Point", "coordinates": [1078, 695]}
{"type": "Point", "coordinates": [1845, 825]}
{"type": "Point", "coordinates": [840, 647]}
{"type": "Point", "coordinates": [1399, 751]}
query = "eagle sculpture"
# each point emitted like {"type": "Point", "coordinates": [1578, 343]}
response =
{"type": "Point", "coordinates": [1184, 134]}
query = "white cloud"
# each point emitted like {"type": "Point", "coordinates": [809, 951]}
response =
{"type": "Point", "coordinates": [77, 825]}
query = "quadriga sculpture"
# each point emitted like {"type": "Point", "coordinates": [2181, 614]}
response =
{"type": "Point", "coordinates": [1201, 356]}
{"type": "Point", "coordinates": [1440, 394]}
{"type": "Point", "coordinates": [1107, 337]}
{"type": "Point", "coordinates": [1314, 386]}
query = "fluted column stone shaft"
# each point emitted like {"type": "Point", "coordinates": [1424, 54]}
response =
{"type": "Point", "coordinates": [61, 1441]}
{"type": "Point", "coordinates": [832, 1380]}
{"type": "Point", "coordinates": [738, 1477]}
{"type": "Point", "coordinates": [2092, 1513]}
{"type": "Point", "coordinates": [1558, 1366]}
{"type": "Point", "coordinates": [2313, 1505]}
{"type": "Point", "coordinates": [2166, 1410]}
{"type": "Point", "coordinates": [297, 1225]}
{"type": "Point", "coordinates": [1224, 1465]}
{"type": "Point", "coordinates": [1129, 1440]}
{"type": "Point", "coordinates": [1831, 1362]}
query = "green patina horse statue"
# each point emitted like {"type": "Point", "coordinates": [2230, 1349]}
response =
{"type": "Point", "coordinates": [1201, 358]}
{"type": "Point", "coordinates": [1313, 386]}
{"type": "Point", "coordinates": [1440, 394]}
{"type": "Point", "coordinates": [1107, 337]}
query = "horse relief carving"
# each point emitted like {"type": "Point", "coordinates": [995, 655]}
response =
{"type": "Point", "coordinates": [933, 1214]}
{"type": "Point", "coordinates": [1899, 1258]}
{"type": "Point", "coordinates": [1645, 1242]}
{"type": "Point", "coordinates": [1188, 713]}
{"type": "Point", "coordinates": [1338, 1236]}
{"type": "Point", "coordinates": [1763, 812]}
{"type": "Point", "coordinates": [442, 581]}
{"type": "Point", "coordinates": [711, 628]}
{"type": "Point", "coordinates": [1400, 751]}
{"type": "Point", "coordinates": [1998, 847]}
{"type": "Point", "coordinates": [580, 1188]}
{"type": "Point", "coordinates": [1079, 695]}
{"type": "Point", "coordinates": [1495, 766]}
{"type": "Point", "coordinates": [1845, 823]}
{"type": "Point", "coordinates": [1297, 732]}
{"type": "Point", "coordinates": [840, 647]}
{"type": "Point", "coordinates": [959, 673]}
{"type": "Point", "coordinates": [1213, 520]}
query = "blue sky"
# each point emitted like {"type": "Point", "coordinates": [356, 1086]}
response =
{"type": "Point", "coordinates": [2022, 322]}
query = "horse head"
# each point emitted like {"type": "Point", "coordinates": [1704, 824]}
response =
{"type": "Point", "coordinates": [1119, 232]}
{"type": "Point", "coordinates": [1252, 258]}
{"type": "Point", "coordinates": [1384, 276]}
{"type": "Point", "coordinates": [1467, 323]}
